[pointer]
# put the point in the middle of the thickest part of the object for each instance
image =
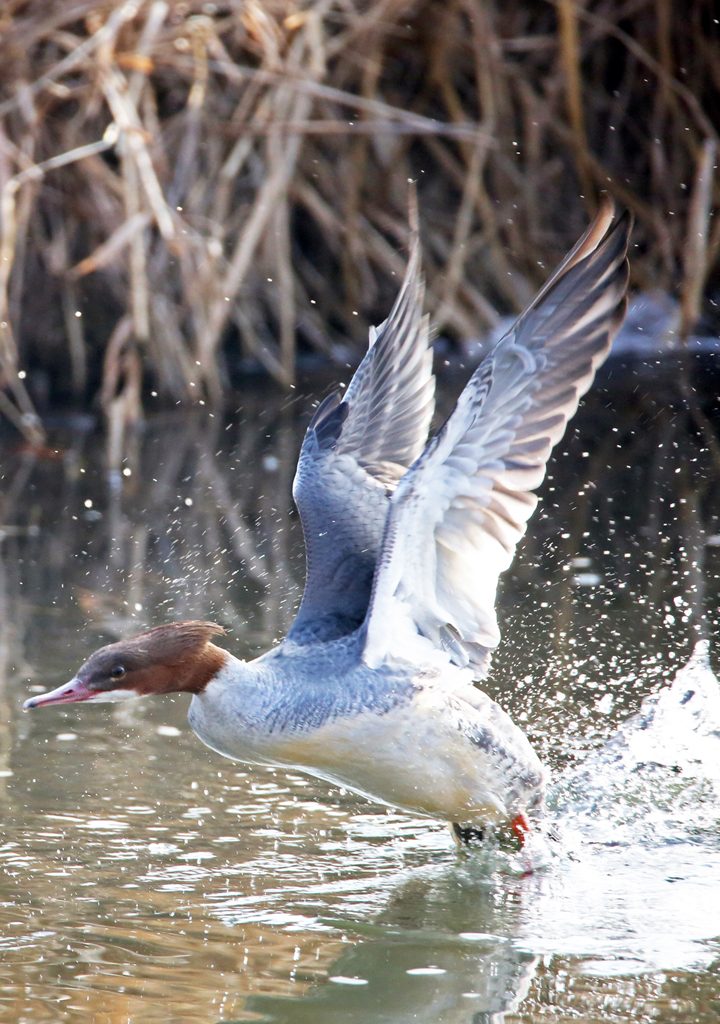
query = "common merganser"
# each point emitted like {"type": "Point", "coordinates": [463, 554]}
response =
{"type": "Point", "coordinates": [375, 686]}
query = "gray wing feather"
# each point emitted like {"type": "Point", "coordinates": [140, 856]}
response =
{"type": "Point", "coordinates": [356, 448]}
{"type": "Point", "coordinates": [457, 515]}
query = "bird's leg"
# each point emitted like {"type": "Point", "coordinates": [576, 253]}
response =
{"type": "Point", "coordinates": [466, 835]}
{"type": "Point", "coordinates": [473, 835]}
{"type": "Point", "coordinates": [520, 827]}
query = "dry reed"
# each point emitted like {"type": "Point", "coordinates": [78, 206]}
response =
{"type": "Point", "coordinates": [186, 186]}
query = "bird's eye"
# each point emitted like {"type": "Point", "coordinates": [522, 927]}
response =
{"type": "Point", "coordinates": [118, 672]}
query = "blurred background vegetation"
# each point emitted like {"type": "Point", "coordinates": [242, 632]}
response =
{"type": "Point", "coordinates": [191, 192]}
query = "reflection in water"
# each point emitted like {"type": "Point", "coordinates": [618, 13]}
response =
{"type": "Point", "coordinates": [439, 951]}
{"type": "Point", "coordinates": [145, 879]}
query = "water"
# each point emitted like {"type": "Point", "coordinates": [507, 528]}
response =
{"type": "Point", "coordinates": [146, 879]}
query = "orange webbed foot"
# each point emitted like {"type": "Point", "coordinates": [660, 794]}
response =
{"type": "Point", "coordinates": [520, 828]}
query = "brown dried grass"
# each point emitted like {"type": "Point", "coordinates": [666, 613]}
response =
{"type": "Point", "coordinates": [207, 181]}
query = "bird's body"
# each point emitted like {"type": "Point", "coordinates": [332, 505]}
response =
{"type": "Point", "coordinates": [375, 687]}
{"type": "Point", "coordinates": [320, 708]}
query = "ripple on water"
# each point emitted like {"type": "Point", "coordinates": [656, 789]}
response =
{"type": "Point", "coordinates": [145, 879]}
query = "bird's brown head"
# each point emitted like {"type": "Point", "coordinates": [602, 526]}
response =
{"type": "Point", "coordinates": [177, 658]}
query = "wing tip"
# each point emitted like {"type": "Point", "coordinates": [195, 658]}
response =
{"type": "Point", "coordinates": [607, 226]}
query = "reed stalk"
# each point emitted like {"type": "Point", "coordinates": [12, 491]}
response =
{"type": "Point", "coordinates": [187, 188]}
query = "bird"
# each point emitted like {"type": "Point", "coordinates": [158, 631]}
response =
{"type": "Point", "coordinates": [377, 686]}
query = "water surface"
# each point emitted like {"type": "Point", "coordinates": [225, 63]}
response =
{"type": "Point", "coordinates": [146, 879]}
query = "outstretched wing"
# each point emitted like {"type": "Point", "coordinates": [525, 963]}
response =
{"type": "Point", "coordinates": [457, 515]}
{"type": "Point", "coordinates": [355, 450]}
